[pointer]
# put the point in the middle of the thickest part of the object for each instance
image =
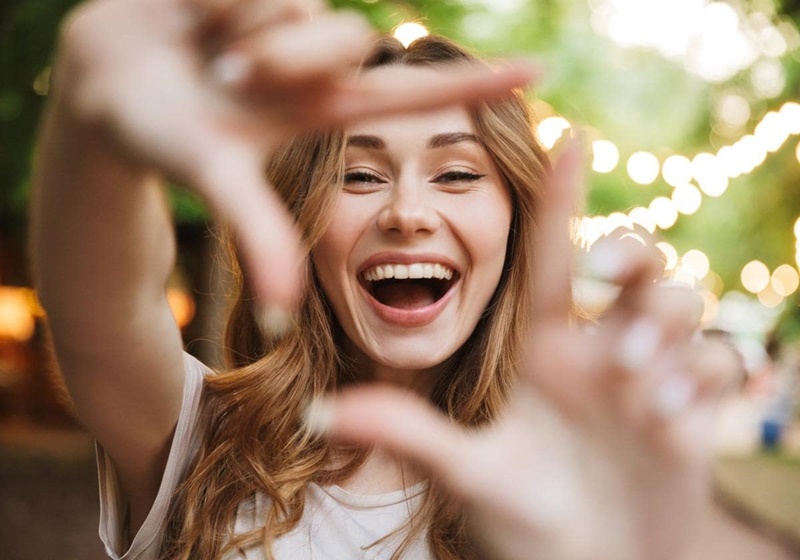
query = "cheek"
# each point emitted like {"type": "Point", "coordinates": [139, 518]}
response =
{"type": "Point", "coordinates": [331, 254]}
{"type": "Point", "coordinates": [486, 231]}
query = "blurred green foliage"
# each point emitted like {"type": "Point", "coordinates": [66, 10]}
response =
{"type": "Point", "coordinates": [635, 98]}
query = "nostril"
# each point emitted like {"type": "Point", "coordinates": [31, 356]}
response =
{"type": "Point", "coordinates": [408, 218]}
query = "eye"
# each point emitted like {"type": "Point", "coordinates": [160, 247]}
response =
{"type": "Point", "coordinates": [360, 176]}
{"type": "Point", "coordinates": [458, 176]}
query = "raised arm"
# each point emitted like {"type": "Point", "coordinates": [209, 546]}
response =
{"type": "Point", "coordinates": [103, 247]}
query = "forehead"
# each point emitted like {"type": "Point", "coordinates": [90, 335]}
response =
{"type": "Point", "coordinates": [416, 125]}
{"type": "Point", "coordinates": [414, 134]}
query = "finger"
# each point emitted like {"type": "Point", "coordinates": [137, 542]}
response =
{"type": "Point", "coordinates": [400, 89]}
{"type": "Point", "coordinates": [231, 178]}
{"type": "Point", "coordinates": [396, 421]}
{"type": "Point", "coordinates": [715, 365]}
{"type": "Point", "coordinates": [668, 314]}
{"type": "Point", "coordinates": [626, 263]}
{"type": "Point", "coordinates": [552, 274]}
{"type": "Point", "coordinates": [682, 407]}
{"type": "Point", "coordinates": [233, 19]}
{"type": "Point", "coordinates": [684, 376]}
{"type": "Point", "coordinates": [551, 363]}
{"type": "Point", "coordinates": [330, 45]}
{"type": "Point", "coordinates": [252, 16]}
{"type": "Point", "coordinates": [561, 364]}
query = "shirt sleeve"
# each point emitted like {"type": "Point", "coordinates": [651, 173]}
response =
{"type": "Point", "coordinates": [185, 443]}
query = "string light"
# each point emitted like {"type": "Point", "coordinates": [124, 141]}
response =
{"type": "Point", "coordinates": [550, 130]}
{"type": "Point", "coordinates": [711, 171]}
{"type": "Point", "coordinates": [687, 199]}
{"type": "Point", "coordinates": [769, 297]}
{"type": "Point", "coordinates": [606, 156]}
{"type": "Point", "coordinates": [785, 280]}
{"type": "Point", "coordinates": [677, 170]}
{"type": "Point", "coordinates": [643, 168]}
{"type": "Point", "coordinates": [409, 32]}
{"type": "Point", "coordinates": [696, 263]}
{"type": "Point", "coordinates": [670, 254]}
{"type": "Point", "coordinates": [755, 277]}
{"type": "Point", "coordinates": [664, 212]}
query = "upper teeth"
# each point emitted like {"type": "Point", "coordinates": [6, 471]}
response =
{"type": "Point", "coordinates": [403, 271]}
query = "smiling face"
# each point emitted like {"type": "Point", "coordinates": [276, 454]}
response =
{"type": "Point", "coordinates": [417, 241]}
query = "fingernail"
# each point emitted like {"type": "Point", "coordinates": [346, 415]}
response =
{"type": "Point", "coordinates": [639, 345]}
{"type": "Point", "coordinates": [274, 321]}
{"type": "Point", "coordinates": [605, 261]}
{"type": "Point", "coordinates": [230, 69]}
{"type": "Point", "coordinates": [673, 395]}
{"type": "Point", "coordinates": [319, 415]}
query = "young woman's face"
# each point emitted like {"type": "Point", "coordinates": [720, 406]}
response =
{"type": "Point", "coordinates": [417, 241]}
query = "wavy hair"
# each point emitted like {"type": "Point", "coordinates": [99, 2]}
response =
{"type": "Point", "coordinates": [255, 440]}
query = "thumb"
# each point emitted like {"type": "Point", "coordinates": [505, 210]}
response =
{"type": "Point", "coordinates": [232, 180]}
{"type": "Point", "coordinates": [399, 422]}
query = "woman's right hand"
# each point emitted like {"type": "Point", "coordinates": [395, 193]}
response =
{"type": "Point", "coordinates": [200, 90]}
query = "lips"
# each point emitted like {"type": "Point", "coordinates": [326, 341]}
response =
{"type": "Point", "coordinates": [408, 290]}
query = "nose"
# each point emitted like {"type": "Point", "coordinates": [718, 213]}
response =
{"type": "Point", "coordinates": [408, 212]}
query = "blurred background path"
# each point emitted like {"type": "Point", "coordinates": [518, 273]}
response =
{"type": "Point", "coordinates": [49, 507]}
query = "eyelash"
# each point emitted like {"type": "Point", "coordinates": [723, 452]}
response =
{"type": "Point", "coordinates": [362, 177]}
{"type": "Point", "coordinates": [458, 176]}
{"type": "Point", "coordinates": [446, 177]}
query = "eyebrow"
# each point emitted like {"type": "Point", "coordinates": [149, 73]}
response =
{"type": "Point", "coordinates": [450, 138]}
{"type": "Point", "coordinates": [365, 141]}
{"type": "Point", "coordinates": [437, 141]}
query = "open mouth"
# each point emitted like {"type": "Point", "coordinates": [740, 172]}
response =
{"type": "Point", "coordinates": [408, 286]}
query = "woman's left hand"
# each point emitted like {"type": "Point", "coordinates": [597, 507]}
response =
{"type": "Point", "coordinates": [603, 451]}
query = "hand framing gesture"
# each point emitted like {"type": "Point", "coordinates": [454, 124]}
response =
{"type": "Point", "coordinates": [602, 451]}
{"type": "Point", "coordinates": [200, 90]}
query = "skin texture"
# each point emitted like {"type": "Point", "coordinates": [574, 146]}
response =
{"type": "Point", "coordinates": [408, 205]}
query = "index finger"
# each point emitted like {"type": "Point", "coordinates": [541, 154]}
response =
{"type": "Point", "coordinates": [552, 268]}
{"type": "Point", "coordinates": [376, 93]}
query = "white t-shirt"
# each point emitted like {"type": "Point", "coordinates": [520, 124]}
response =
{"type": "Point", "coordinates": [336, 524]}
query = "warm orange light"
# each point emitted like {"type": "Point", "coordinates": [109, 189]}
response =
{"type": "Point", "coordinates": [16, 318]}
{"type": "Point", "coordinates": [182, 306]}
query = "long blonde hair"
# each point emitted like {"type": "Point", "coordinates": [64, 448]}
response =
{"type": "Point", "coordinates": [255, 440]}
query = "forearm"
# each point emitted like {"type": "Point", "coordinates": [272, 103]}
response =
{"type": "Point", "coordinates": [100, 231]}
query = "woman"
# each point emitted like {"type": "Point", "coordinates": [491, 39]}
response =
{"type": "Point", "coordinates": [412, 269]}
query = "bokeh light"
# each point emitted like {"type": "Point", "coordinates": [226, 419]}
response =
{"type": "Point", "coordinates": [755, 276]}
{"type": "Point", "coordinates": [687, 199]}
{"type": "Point", "coordinates": [790, 113]}
{"type": "Point", "coordinates": [664, 212]}
{"type": "Point", "coordinates": [643, 217]}
{"type": "Point", "coordinates": [785, 280]}
{"type": "Point", "coordinates": [709, 174]}
{"type": "Point", "coordinates": [677, 170]}
{"type": "Point", "coordinates": [695, 262]}
{"type": "Point", "coordinates": [550, 130]}
{"type": "Point", "coordinates": [733, 109]}
{"type": "Point", "coordinates": [182, 306]}
{"type": "Point", "coordinates": [17, 320]}
{"type": "Point", "coordinates": [643, 168]}
{"type": "Point", "coordinates": [670, 254]}
{"type": "Point", "coordinates": [772, 131]}
{"type": "Point", "coordinates": [409, 32]}
{"type": "Point", "coordinates": [769, 297]}
{"type": "Point", "coordinates": [606, 156]}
